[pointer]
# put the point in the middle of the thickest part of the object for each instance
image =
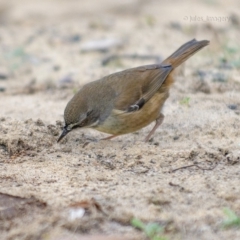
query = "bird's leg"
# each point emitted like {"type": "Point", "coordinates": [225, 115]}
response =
{"type": "Point", "coordinates": [110, 137]}
{"type": "Point", "coordinates": [159, 121]}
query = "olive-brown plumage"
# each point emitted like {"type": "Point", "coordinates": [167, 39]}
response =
{"type": "Point", "coordinates": [129, 100]}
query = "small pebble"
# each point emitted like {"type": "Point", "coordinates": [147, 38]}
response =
{"type": "Point", "coordinates": [232, 106]}
{"type": "Point", "coordinates": [74, 38]}
{"type": "Point", "coordinates": [3, 76]}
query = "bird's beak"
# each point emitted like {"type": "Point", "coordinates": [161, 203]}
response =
{"type": "Point", "coordinates": [64, 133]}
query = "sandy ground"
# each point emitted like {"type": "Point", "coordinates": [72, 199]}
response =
{"type": "Point", "coordinates": [81, 188]}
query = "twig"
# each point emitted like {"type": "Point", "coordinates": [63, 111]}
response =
{"type": "Point", "coordinates": [194, 165]}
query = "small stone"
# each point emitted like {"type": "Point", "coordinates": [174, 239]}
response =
{"type": "Point", "coordinates": [232, 106]}
{"type": "Point", "coordinates": [74, 38]}
{"type": "Point", "coordinates": [3, 76]}
{"type": "Point", "coordinates": [175, 138]}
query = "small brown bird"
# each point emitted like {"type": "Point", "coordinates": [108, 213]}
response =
{"type": "Point", "coordinates": [129, 100]}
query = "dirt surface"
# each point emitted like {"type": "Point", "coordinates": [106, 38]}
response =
{"type": "Point", "coordinates": [85, 189]}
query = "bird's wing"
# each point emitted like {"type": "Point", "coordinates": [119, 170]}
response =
{"type": "Point", "coordinates": [144, 82]}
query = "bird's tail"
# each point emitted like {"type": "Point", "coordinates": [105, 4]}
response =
{"type": "Point", "coordinates": [184, 52]}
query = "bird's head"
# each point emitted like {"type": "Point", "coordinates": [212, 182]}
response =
{"type": "Point", "coordinates": [78, 115]}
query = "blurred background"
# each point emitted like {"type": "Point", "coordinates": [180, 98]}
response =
{"type": "Point", "coordinates": [59, 44]}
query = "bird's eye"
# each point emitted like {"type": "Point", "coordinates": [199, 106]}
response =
{"type": "Point", "coordinates": [89, 112]}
